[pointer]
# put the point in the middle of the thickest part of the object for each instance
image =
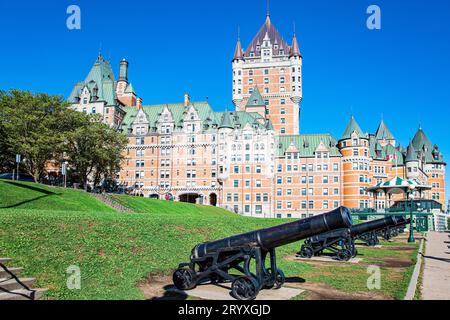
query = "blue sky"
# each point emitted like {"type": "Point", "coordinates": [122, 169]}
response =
{"type": "Point", "coordinates": [400, 72]}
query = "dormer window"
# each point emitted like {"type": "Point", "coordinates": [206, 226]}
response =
{"type": "Point", "coordinates": [258, 48]}
{"type": "Point", "coordinates": [275, 47]}
{"type": "Point", "coordinates": [281, 51]}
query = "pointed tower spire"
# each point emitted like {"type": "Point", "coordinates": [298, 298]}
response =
{"type": "Point", "coordinates": [352, 127]}
{"type": "Point", "coordinates": [226, 121]}
{"type": "Point", "coordinates": [238, 53]}
{"type": "Point", "coordinates": [295, 50]}
{"type": "Point", "coordinates": [383, 132]}
{"type": "Point", "coordinates": [411, 153]}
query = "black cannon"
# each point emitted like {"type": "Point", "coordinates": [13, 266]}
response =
{"type": "Point", "coordinates": [368, 232]}
{"type": "Point", "coordinates": [341, 242]}
{"type": "Point", "coordinates": [212, 262]}
{"type": "Point", "coordinates": [391, 232]}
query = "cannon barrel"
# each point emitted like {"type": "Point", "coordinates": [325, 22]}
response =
{"type": "Point", "coordinates": [401, 221]}
{"type": "Point", "coordinates": [281, 235]}
{"type": "Point", "coordinates": [375, 225]}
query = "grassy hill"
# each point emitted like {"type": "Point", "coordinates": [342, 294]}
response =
{"type": "Point", "coordinates": [166, 207]}
{"type": "Point", "coordinates": [115, 252]}
{"type": "Point", "coordinates": [21, 195]}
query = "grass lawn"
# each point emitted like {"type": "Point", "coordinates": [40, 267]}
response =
{"type": "Point", "coordinates": [116, 252]}
{"type": "Point", "coordinates": [21, 195]}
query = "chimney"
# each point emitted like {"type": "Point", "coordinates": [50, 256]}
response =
{"type": "Point", "coordinates": [187, 100]}
{"type": "Point", "coordinates": [139, 103]}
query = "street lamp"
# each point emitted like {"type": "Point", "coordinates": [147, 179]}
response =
{"type": "Point", "coordinates": [411, 228]}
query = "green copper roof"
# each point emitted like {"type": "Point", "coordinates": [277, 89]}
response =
{"type": "Point", "coordinates": [423, 146]}
{"type": "Point", "coordinates": [411, 154]}
{"type": "Point", "coordinates": [352, 127]}
{"type": "Point", "coordinates": [306, 144]}
{"type": "Point", "coordinates": [153, 112]}
{"type": "Point", "coordinates": [242, 118]}
{"type": "Point", "coordinates": [378, 152]}
{"type": "Point", "coordinates": [226, 121]}
{"type": "Point", "coordinates": [101, 77]}
{"type": "Point", "coordinates": [269, 125]}
{"type": "Point", "coordinates": [383, 132]}
{"type": "Point", "coordinates": [130, 89]}
{"type": "Point", "coordinates": [256, 100]}
{"type": "Point", "coordinates": [420, 141]}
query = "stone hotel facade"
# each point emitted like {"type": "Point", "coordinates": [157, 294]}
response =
{"type": "Point", "coordinates": [252, 160]}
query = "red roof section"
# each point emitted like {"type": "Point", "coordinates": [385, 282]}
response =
{"type": "Point", "coordinates": [275, 39]}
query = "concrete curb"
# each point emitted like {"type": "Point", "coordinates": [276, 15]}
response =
{"type": "Point", "coordinates": [415, 276]}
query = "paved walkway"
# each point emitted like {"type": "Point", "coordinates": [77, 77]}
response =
{"type": "Point", "coordinates": [436, 276]}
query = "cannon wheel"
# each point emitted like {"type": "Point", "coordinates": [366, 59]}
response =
{"type": "Point", "coordinates": [245, 288]}
{"type": "Point", "coordinates": [280, 279]}
{"type": "Point", "coordinates": [185, 279]}
{"type": "Point", "coordinates": [344, 255]}
{"type": "Point", "coordinates": [306, 252]}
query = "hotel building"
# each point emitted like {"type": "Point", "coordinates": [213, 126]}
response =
{"type": "Point", "coordinates": [252, 160]}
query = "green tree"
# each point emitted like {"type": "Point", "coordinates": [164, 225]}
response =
{"type": "Point", "coordinates": [42, 128]}
{"type": "Point", "coordinates": [31, 126]}
{"type": "Point", "coordinates": [94, 151]}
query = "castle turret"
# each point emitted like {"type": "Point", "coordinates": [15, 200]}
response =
{"type": "Point", "coordinates": [123, 76]}
{"type": "Point", "coordinates": [238, 83]}
{"type": "Point", "coordinates": [225, 129]}
{"type": "Point", "coordinates": [355, 149]}
{"type": "Point", "coordinates": [412, 163]}
{"type": "Point", "coordinates": [295, 58]}
{"type": "Point", "coordinates": [122, 83]}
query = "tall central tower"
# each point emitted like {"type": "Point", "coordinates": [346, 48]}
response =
{"type": "Point", "coordinates": [272, 67]}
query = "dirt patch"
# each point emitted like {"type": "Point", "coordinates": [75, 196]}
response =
{"type": "Point", "coordinates": [157, 287]}
{"type": "Point", "coordinates": [403, 249]}
{"type": "Point", "coordinates": [102, 253]}
{"type": "Point", "coordinates": [319, 291]}
{"type": "Point", "coordinates": [394, 262]}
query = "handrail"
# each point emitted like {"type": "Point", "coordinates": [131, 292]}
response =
{"type": "Point", "coordinates": [24, 286]}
